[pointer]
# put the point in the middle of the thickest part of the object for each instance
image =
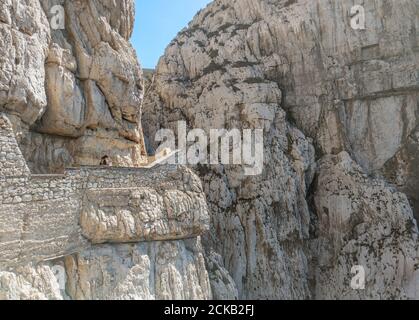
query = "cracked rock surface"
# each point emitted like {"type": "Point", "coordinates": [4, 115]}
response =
{"type": "Point", "coordinates": [339, 109]}
{"type": "Point", "coordinates": [333, 102]}
{"type": "Point", "coordinates": [74, 94]}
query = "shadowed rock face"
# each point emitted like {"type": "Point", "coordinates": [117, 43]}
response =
{"type": "Point", "coordinates": [362, 221]}
{"type": "Point", "coordinates": [74, 94]}
{"type": "Point", "coordinates": [322, 92]}
{"type": "Point", "coordinates": [403, 170]}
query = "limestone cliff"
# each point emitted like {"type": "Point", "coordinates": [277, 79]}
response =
{"type": "Point", "coordinates": [340, 111]}
{"type": "Point", "coordinates": [99, 233]}
{"type": "Point", "coordinates": [73, 91]}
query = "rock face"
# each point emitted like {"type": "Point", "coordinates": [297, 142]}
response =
{"type": "Point", "coordinates": [30, 283]}
{"type": "Point", "coordinates": [364, 222]}
{"type": "Point", "coordinates": [71, 83]}
{"type": "Point", "coordinates": [71, 87]}
{"type": "Point", "coordinates": [339, 108]}
{"type": "Point", "coordinates": [336, 201]}
{"type": "Point", "coordinates": [147, 271]}
{"type": "Point", "coordinates": [25, 37]}
{"type": "Point", "coordinates": [140, 227]}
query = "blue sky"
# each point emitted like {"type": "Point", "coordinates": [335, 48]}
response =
{"type": "Point", "coordinates": [157, 22]}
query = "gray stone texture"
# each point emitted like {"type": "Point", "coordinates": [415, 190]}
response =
{"type": "Point", "coordinates": [324, 93]}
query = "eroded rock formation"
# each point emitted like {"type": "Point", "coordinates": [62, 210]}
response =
{"type": "Point", "coordinates": [115, 233]}
{"type": "Point", "coordinates": [340, 112]}
{"type": "Point", "coordinates": [362, 221]}
{"type": "Point", "coordinates": [72, 88]}
{"type": "Point", "coordinates": [339, 108]}
{"type": "Point", "coordinates": [74, 94]}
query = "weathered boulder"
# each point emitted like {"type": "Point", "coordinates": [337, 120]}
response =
{"type": "Point", "coordinates": [25, 37]}
{"type": "Point", "coordinates": [74, 91]}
